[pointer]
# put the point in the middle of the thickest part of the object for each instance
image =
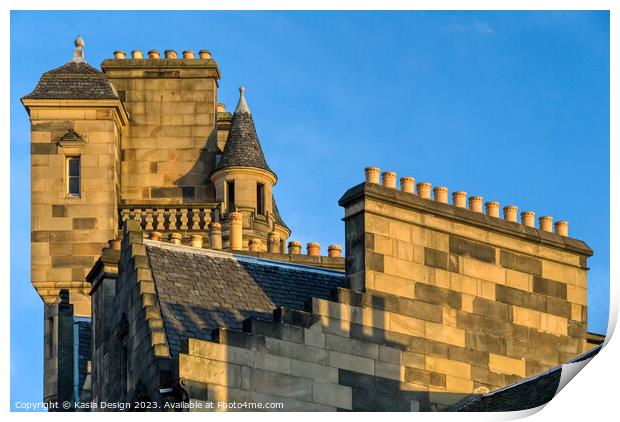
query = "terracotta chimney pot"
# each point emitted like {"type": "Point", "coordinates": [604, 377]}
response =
{"type": "Point", "coordinates": [441, 194]}
{"type": "Point", "coordinates": [475, 203]}
{"type": "Point", "coordinates": [372, 175]}
{"type": "Point", "coordinates": [528, 218]}
{"type": "Point", "coordinates": [424, 190]}
{"type": "Point", "coordinates": [492, 208]}
{"type": "Point", "coordinates": [459, 199]}
{"type": "Point", "coordinates": [545, 223]}
{"type": "Point", "coordinates": [510, 213]}
{"type": "Point", "coordinates": [407, 184]}
{"type": "Point", "coordinates": [294, 247]}
{"type": "Point", "coordinates": [313, 249]}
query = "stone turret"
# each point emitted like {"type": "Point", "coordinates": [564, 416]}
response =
{"type": "Point", "coordinates": [244, 181]}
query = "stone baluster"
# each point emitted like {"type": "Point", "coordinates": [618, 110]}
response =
{"type": "Point", "coordinates": [124, 214]}
{"type": "Point", "coordinates": [172, 219]}
{"type": "Point", "coordinates": [160, 219]}
{"type": "Point", "coordinates": [149, 219]}
{"type": "Point", "coordinates": [184, 218]}
{"type": "Point", "coordinates": [196, 219]}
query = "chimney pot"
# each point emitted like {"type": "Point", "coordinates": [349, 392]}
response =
{"type": "Point", "coordinates": [334, 251]}
{"type": "Point", "coordinates": [273, 242]}
{"type": "Point", "coordinates": [204, 54]}
{"type": "Point", "coordinates": [215, 235]}
{"type": "Point", "coordinates": [313, 249]}
{"type": "Point", "coordinates": [196, 241]}
{"type": "Point", "coordinates": [492, 208]}
{"type": "Point", "coordinates": [475, 203]}
{"type": "Point", "coordinates": [221, 108]}
{"type": "Point", "coordinates": [170, 54]}
{"type": "Point", "coordinates": [116, 244]}
{"type": "Point", "coordinates": [561, 228]}
{"type": "Point", "coordinates": [188, 54]}
{"type": "Point", "coordinates": [153, 54]}
{"type": "Point", "coordinates": [528, 218]}
{"type": "Point", "coordinates": [389, 179]}
{"type": "Point", "coordinates": [407, 184]}
{"type": "Point", "coordinates": [545, 223]}
{"type": "Point", "coordinates": [136, 54]}
{"type": "Point", "coordinates": [155, 236]}
{"type": "Point", "coordinates": [510, 213]}
{"type": "Point", "coordinates": [236, 231]}
{"type": "Point", "coordinates": [459, 199]}
{"type": "Point", "coordinates": [294, 247]}
{"type": "Point", "coordinates": [441, 194]}
{"type": "Point", "coordinates": [372, 175]}
{"type": "Point", "coordinates": [255, 245]}
{"type": "Point", "coordinates": [424, 190]}
{"type": "Point", "coordinates": [175, 238]}
{"type": "Point", "coordinates": [119, 55]}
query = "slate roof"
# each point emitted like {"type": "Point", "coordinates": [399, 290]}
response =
{"type": "Point", "coordinates": [199, 289]}
{"type": "Point", "coordinates": [276, 213]}
{"type": "Point", "coordinates": [526, 394]}
{"type": "Point", "coordinates": [242, 147]}
{"type": "Point", "coordinates": [73, 81]}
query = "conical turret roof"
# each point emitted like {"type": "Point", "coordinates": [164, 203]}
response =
{"type": "Point", "coordinates": [242, 147]}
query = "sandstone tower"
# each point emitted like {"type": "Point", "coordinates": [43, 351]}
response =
{"type": "Point", "coordinates": [145, 140]}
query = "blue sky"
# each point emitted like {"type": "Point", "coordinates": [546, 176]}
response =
{"type": "Point", "coordinates": [513, 106]}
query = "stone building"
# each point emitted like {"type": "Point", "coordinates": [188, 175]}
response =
{"type": "Point", "coordinates": [163, 263]}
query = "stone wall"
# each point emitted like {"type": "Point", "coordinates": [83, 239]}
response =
{"type": "Point", "coordinates": [169, 148]}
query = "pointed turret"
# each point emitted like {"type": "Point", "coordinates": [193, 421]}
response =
{"type": "Point", "coordinates": [243, 180]}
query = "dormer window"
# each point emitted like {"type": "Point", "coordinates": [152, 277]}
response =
{"type": "Point", "coordinates": [73, 176]}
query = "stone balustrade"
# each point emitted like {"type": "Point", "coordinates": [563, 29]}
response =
{"type": "Point", "coordinates": [166, 218]}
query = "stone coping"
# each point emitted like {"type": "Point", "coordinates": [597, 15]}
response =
{"type": "Point", "coordinates": [461, 215]}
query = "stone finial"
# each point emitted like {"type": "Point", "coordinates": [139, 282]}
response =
{"type": "Point", "coordinates": [407, 184]}
{"type": "Point", "coordinates": [170, 54]}
{"type": "Point", "coordinates": [528, 218]}
{"type": "Point", "coordinates": [78, 53]}
{"type": "Point", "coordinates": [155, 236]}
{"type": "Point", "coordinates": [242, 105]}
{"type": "Point", "coordinates": [204, 54]}
{"type": "Point", "coordinates": [510, 213]}
{"type": "Point", "coordinates": [294, 247]}
{"type": "Point", "coordinates": [441, 194]}
{"type": "Point", "coordinates": [196, 241]}
{"type": "Point", "coordinates": [389, 179]}
{"type": "Point", "coordinates": [545, 223]}
{"type": "Point", "coordinates": [313, 249]}
{"type": "Point", "coordinates": [153, 54]}
{"type": "Point", "coordinates": [459, 199]}
{"type": "Point", "coordinates": [119, 55]}
{"type": "Point", "coordinates": [273, 242]}
{"type": "Point", "coordinates": [334, 251]}
{"type": "Point", "coordinates": [424, 190]}
{"type": "Point", "coordinates": [255, 245]}
{"type": "Point", "coordinates": [136, 54]}
{"type": "Point", "coordinates": [561, 228]}
{"type": "Point", "coordinates": [372, 175]}
{"type": "Point", "coordinates": [492, 209]}
{"type": "Point", "coordinates": [116, 243]}
{"type": "Point", "coordinates": [175, 238]}
{"type": "Point", "coordinates": [215, 235]}
{"type": "Point", "coordinates": [236, 231]}
{"type": "Point", "coordinates": [475, 203]}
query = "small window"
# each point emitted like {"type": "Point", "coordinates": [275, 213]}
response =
{"type": "Point", "coordinates": [73, 176]}
{"type": "Point", "coordinates": [230, 196]}
{"type": "Point", "coordinates": [260, 199]}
